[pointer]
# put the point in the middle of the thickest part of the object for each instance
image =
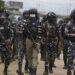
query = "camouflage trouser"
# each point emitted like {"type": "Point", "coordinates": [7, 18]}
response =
{"type": "Point", "coordinates": [71, 58]}
{"type": "Point", "coordinates": [21, 53]}
{"type": "Point", "coordinates": [32, 54]}
{"type": "Point", "coordinates": [42, 47]}
{"type": "Point", "coordinates": [65, 49]}
{"type": "Point", "coordinates": [49, 57]}
{"type": "Point", "coordinates": [14, 49]}
{"type": "Point", "coordinates": [6, 56]}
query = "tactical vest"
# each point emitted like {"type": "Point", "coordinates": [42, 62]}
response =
{"type": "Point", "coordinates": [5, 32]}
{"type": "Point", "coordinates": [71, 30]}
{"type": "Point", "coordinates": [52, 30]}
{"type": "Point", "coordinates": [33, 29]}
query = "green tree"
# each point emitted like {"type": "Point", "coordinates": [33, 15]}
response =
{"type": "Point", "coordinates": [2, 4]}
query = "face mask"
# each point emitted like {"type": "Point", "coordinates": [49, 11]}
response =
{"type": "Point", "coordinates": [32, 15]}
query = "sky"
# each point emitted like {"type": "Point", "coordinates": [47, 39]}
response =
{"type": "Point", "coordinates": [62, 7]}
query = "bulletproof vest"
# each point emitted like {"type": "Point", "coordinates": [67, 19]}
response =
{"type": "Point", "coordinates": [71, 30]}
{"type": "Point", "coordinates": [33, 29]}
{"type": "Point", "coordinates": [5, 32]}
{"type": "Point", "coordinates": [19, 30]}
{"type": "Point", "coordinates": [40, 31]}
{"type": "Point", "coordinates": [52, 30]}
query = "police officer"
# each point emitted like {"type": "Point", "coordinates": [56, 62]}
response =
{"type": "Point", "coordinates": [20, 47]}
{"type": "Point", "coordinates": [50, 34]}
{"type": "Point", "coordinates": [42, 45]}
{"type": "Point", "coordinates": [6, 37]}
{"type": "Point", "coordinates": [64, 42]}
{"type": "Point", "coordinates": [13, 27]}
{"type": "Point", "coordinates": [69, 33]}
{"type": "Point", "coordinates": [59, 42]}
{"type": "Point", "coordinates": [32, 40]}
{"type": "Point", "coordinates": [26, 19]}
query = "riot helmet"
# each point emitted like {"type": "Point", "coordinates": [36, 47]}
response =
{"type": "Point", "coordinates": [2, 16]}
{"type": "Point", "coordinates": [19, 18]}
{"type": "Point", "coordinates": [51, 17]}
{"type": "Point", "coordinates": [72, 15]}
{"type": "Point", "coordinates": [26, 14]}
{"type": "Point", "coordinates": [33, 14]}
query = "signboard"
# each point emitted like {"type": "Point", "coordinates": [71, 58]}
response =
{"type": "Point", "coordinates": [14, 4]}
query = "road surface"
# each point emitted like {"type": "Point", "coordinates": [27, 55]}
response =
{"type": "Point", "coordinates": [57, 71]}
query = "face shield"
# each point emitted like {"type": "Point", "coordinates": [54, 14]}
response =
{"type": "Point", "coordinates": [2, 17]}
{"type": "Point", "coordinates": [52, 19]}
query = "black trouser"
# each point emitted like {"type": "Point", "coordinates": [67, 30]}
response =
{"type": "Point", "coordinates": [71, 58]}
{"type": "Point", "coordinates": [14, 50]}
{"type": "Point", "coordinates": [65, 55]}
{"type": "Point", "coordinates": [20, 60]}
{"type": "Point", "coordinates": [26, 66]}
{"type": "Point", "coordinates": [21, 53]}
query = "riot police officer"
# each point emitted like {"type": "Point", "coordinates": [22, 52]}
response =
{"type": "Point", "coordinates": [64, 42]}
{"type": "Point", "coordinates": [26, 19]}
{"type": "Point", "coordinates": [20, 47]}
{"type": "Point", "coordinates": [50, 35]}
{"type": "Point", "coordinates": [6, 37]}
{"type": "Point", "coordinates": [13, 27]}
{"type": "Point", "coordinates": [32, 39]}
{"type": "Point", "coordinates": [59, 42]}
{"type": "Point", "coordinates": [69, 34]}
{"type": "Point", "coordinates": [42, 44]}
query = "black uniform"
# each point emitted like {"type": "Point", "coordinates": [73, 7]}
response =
{"type": "Point", "coordinates": [20, 46]}
{"type": "Point", "coordinates": [50, 34]}
{"type": "Point", "coordinates": [69, 34]}
{"type": "Point", "coordinates": [6, 37]}
{"type": "Point", "coordinates": [32, 31]}
{"type": "Point", "coordinates": [65, 44]}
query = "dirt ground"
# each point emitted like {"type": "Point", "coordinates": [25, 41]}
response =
{"type": "Point", "coordinates": [57, 71]}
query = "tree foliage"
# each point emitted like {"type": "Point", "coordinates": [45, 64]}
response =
{"type": "Point", "coordinates": [2, 4]}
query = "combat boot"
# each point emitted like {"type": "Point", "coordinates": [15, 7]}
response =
{"type": "Point", "coordinates": [32, 71]}
{"type": "Point", "coordinates": [19, 73]}
{"type": "Point", "coordinates": [5, 69]}
{"type": "Point", "coordinates": [26, 67]}
{"type": "Point", "coordinates": [50, 70]}
{"type": "Point", "coordinates": [5, 72]}
{"type": "Point", "coordinates": [45, 73]}
{"type": "Point", "coordinates": [46, 69]}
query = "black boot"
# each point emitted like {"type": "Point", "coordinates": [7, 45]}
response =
{"type": "Point", "coordinates": [26, 67]}
{"type": "Point", "coordinates": [65, 67]}
{"type": "Point", "coordinates": [74, 72]}
{"type": "Point", "coordinates": [50, 68]}
{"type": "Point", "coordinates": [6, 68]}
{"type": "Point", "coordinates": [19, 71]}
{"type": "Point", "coordinates": [68, 72]}
{"type": "Point", "coordinates": [46, 68]}
{"type": "Point", "coordinates": [5, 73]}
{"type": "Point", "coordinates": [32, 71]}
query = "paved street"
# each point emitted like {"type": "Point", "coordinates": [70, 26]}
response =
{"type": "Point", "coordinates": [57, 71]}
